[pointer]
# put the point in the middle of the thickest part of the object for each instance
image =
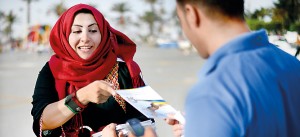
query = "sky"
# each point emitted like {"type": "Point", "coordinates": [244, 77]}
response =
{"type": "Point", "coordinates": [40, 10]}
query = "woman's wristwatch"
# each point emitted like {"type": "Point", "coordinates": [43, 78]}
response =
{"type": "Point", "coordinates": [73, 103]}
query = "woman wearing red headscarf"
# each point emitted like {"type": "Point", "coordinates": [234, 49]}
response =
{"type": "Point", "coordinates": [76, 87]}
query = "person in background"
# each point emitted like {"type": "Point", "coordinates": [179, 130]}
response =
{"type": "Point", "coordinates": [297, 45]}
{"type": "Point", "coordinates": [75, 90]}
{"type": "Point", "coordinates": [247, 86]}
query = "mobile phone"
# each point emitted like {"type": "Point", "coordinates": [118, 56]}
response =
{"type": "Point", "coordinates": [136, 126]}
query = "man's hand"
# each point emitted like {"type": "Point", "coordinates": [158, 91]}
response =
{"type": "Point", "coordinates": [176, 126]}
{"type": "Point", "coordinates": [110, 131]}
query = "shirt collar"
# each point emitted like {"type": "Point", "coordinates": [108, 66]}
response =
{"type": "Point", "coordinates": [243, 42]}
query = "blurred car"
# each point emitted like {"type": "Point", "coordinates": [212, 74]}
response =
{"type": "Point", "coordinates": [186, 46]}
{"type": "Point", "coordinates": [282, 44]}
{"type": "Point", "coordinates": [166, 43]}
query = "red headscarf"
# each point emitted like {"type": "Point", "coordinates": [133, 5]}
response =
{"type": "Point", "coordinates": [68, 67]}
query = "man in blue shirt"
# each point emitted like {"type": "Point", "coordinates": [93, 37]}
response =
{"type": "Point", "coordinates": [247, 87]}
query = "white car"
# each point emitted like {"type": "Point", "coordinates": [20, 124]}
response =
{"type": "Point", "coordinates": [186, 47]}
{"type": "Point", "coordinates": [282, 44]}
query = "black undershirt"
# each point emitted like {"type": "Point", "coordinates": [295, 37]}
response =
{"type": "Point", "coordinates": [95, 115]}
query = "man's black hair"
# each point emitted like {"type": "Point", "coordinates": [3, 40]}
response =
{"type": "Point", "coordinates": [230, 8]}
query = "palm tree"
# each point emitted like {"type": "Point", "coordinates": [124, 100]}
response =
{"type": "Point", "coordinates": [28, 2]}
{"type": "Point", "coordinates": [160, 18]}
{"type": "Point", "coordinates": [149, 17]}
{"type": "Point", "coordinates": [288, 11]}
{"type": "Point", "coordinates": [261, 13]}
{"type": "Point", "coordinates": [152, 2]}
{"type": "Point", "coordinates": [121, 8]}
{"type": "Point", "coordinates": [10, 19]}
{"type": "Point", "coordinates": [177, 23]}
{"type": "Point", "coordinates": [58, 8]}
{"type": "Point", "coordinates": [1, 17]}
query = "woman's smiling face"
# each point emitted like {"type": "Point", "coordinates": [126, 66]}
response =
{"type": "Point", "coordinates": [85, 35]}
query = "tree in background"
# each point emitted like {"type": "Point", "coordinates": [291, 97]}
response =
{"type": "Point", "coordinates": [9, 19]}
{"type": "Point", "coordinates": [58, 8]}
{"type": "Point", "coordinates": [28, 2]}
{"type": "Point", "coordinates": [2, 16]}
{"type": "Point", "coordinates": [261, 13]}
{"type": "Point", "coordinates": [1, 19]}
{"type": "Point", "coordinates": [160, 17]}
{"type": "Point", "coordinates": [152, 3]}
{"type": "Point", "coordinates": [287, 12]}
{"type": "Point", "coordinates": [121, 8]}
{"type": "Point", "coordinates": [150, 18]}
{"type": "Point", "coordinates": [285, 16]}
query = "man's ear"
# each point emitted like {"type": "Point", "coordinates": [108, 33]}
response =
{"type": "Point", "coordinates": [192, 15]}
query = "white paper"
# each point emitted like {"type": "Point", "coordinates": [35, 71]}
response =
{"type": "Point", "coordinates": [148, 102]}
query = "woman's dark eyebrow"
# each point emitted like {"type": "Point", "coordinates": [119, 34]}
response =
{"type": "Point", "coordinates": [88, 25]}
{"type": "Point", "coordinates": [92, 24]}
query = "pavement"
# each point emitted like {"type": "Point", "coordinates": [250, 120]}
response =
{"type": "Point", "coordinates": [168, 71]}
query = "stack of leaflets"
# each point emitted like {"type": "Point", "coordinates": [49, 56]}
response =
{"type": "Point", "coordinates": [149, 103]}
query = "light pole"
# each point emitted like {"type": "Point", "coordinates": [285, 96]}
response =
{"type": "Point", "coordinates": [28, 2]}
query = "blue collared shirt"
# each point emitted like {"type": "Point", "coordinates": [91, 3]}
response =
{"type": "Point", "coordinates": [248, 87]}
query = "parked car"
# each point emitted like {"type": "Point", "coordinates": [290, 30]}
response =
{"type": "Point", "coordinates": [166, 43]}
{"type": "Point", "coordinates": [282, 43]}
{"type": "Point", "coordinates": [186, 46]}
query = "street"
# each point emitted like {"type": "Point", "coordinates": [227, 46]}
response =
{"type": "Point", "coordinates": [167, 71]}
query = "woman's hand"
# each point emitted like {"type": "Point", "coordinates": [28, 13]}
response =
{"type": "Point", "coordinates": [97, 92]}
{"type": "Point", "coordinates": [176, 126]}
